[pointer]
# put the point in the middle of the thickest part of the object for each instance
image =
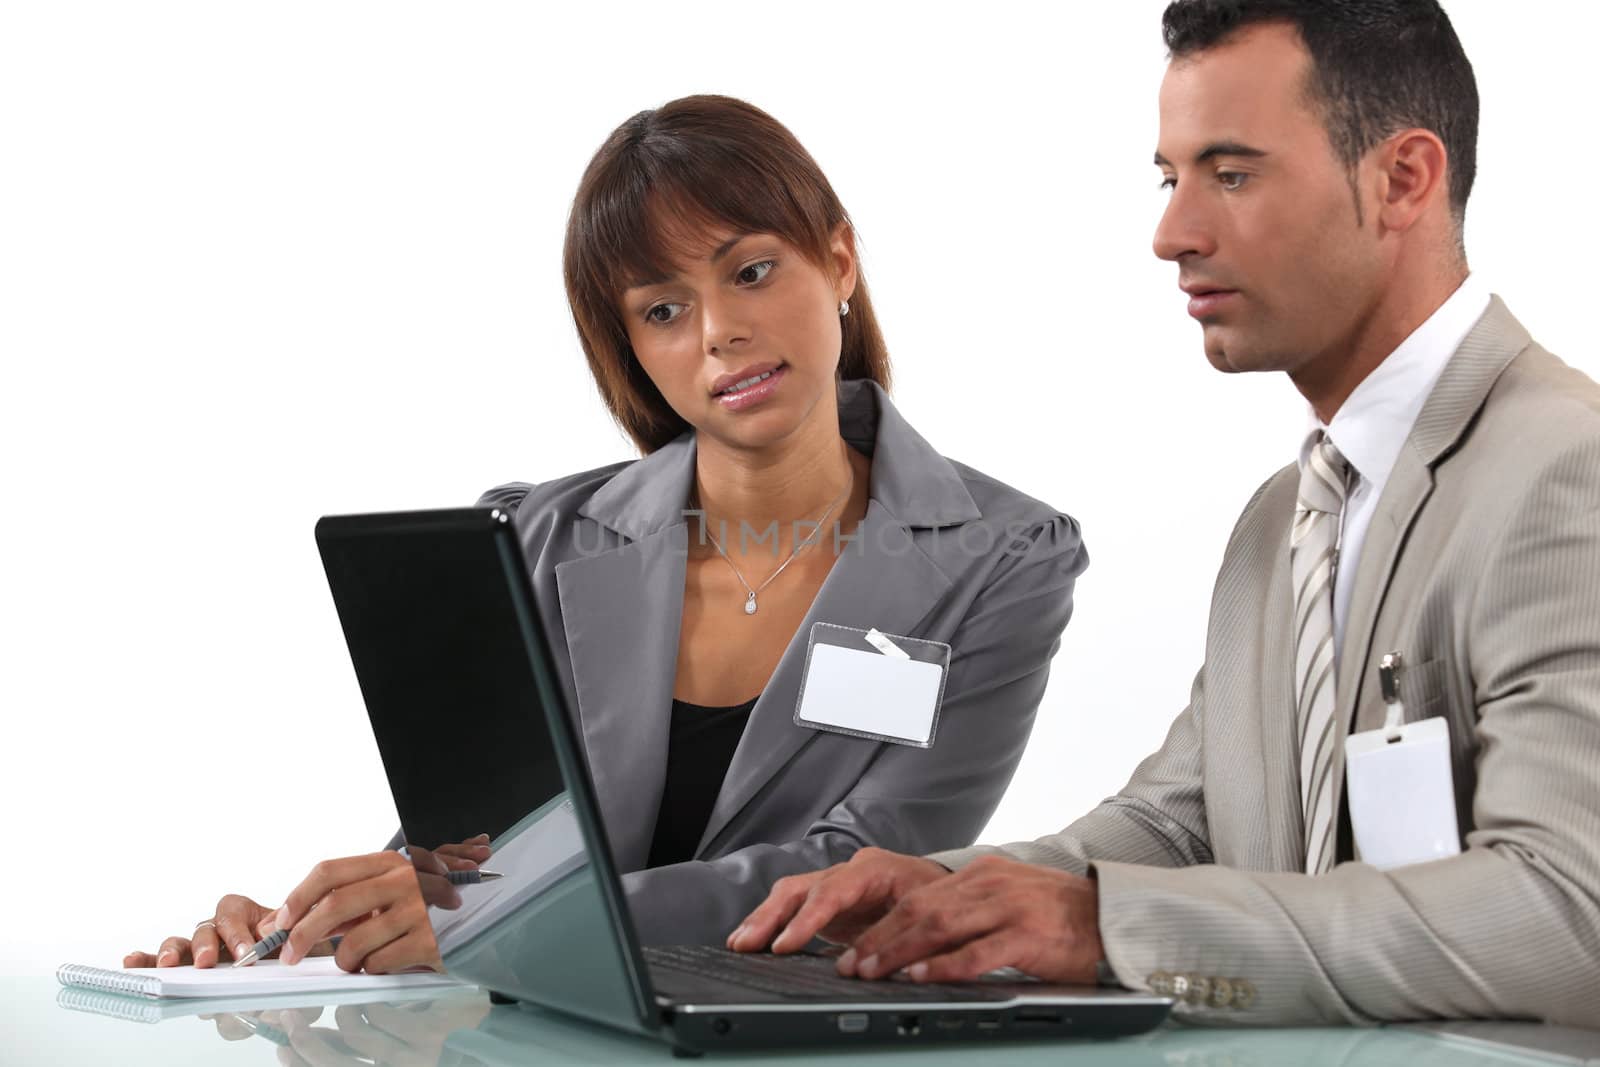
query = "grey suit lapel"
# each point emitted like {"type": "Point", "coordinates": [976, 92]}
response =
{"type": "Point", "coordinates": [621, 608]}
{"type": "Point", "coordinates": [882, 579]}
{"type": "Point", "coordinates": [1449, 410]}
{"type": "Point", "coordinates": [890, 584]}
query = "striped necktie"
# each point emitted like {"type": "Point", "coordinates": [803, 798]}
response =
{"type": "Point", "coordinates": [1313, 558]}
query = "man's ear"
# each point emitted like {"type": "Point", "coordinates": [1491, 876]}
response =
{"type": "Point", "coordinates": [1412, 177]}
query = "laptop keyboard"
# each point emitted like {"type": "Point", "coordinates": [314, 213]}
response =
{"type": "Point", "coordinates": [793, 978]}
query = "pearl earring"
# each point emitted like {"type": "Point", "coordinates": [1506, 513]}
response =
{"type": "Point", "coordinates": [844, 308]}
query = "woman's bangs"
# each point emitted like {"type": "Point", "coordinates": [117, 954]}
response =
{"type": "Point", "coordinates": [648, 238]}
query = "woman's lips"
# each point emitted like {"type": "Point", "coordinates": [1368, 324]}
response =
{"type": "Point", "coordinates": [756, 393]}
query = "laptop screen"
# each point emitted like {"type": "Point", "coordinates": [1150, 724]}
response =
{"type": "Point", "coordinates": [435, 642]}
{"type": "Point", "coordinates": [437, 615]}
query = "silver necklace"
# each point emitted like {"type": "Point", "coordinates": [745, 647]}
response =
{"type": "Point", "coordinates": [750, 600]}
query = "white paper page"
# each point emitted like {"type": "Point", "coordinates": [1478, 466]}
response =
{"type": "Point", "coordinates": [267, 978]}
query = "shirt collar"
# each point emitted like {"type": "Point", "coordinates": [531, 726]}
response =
{"type": "Point", "coordinates": [1371, 427]}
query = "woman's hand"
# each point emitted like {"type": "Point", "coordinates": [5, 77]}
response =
{"type": "Point", "coordinates": [373, 903]}
{"type": "Point", "coordinates": [234, 928]}
{"type": "Point", "coordinates": [239, 922]}
{"type": "Point", "coordinates": [433, 867]}
{"type": "Point", "coordinates": [466, 855]}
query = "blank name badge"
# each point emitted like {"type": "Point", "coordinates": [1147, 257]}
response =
{"type": "Point", "coordinates": [1402, 797]}
{"type": "Point", "coordinates": [869, 694]}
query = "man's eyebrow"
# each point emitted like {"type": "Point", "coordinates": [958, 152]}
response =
{"type": "Point", "coordinates": [1215, 149]}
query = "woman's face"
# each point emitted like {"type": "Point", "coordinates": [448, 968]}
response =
{"type": "Point", "coordinates": [743, 339]}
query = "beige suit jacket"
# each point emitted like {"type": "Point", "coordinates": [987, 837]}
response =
{"type": "Point", "coordinates": [1482, 565]}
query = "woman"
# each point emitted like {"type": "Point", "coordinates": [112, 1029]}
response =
{"type": "Point", "coordinates": [713, 276]}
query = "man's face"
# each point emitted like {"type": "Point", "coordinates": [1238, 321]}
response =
{"type": "Point", "coordinates": [1262, 221]}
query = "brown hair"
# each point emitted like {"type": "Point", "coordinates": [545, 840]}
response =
{"type": "Point", "coordinates": [664, 174]}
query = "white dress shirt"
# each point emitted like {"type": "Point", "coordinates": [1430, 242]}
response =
{"type": "Point", "coordinates": [1371, 428]}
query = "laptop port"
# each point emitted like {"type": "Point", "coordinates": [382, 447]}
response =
{"type": "Point", "coordinates": [1037, 1018]}
{"type": "Point", "coordinates": [949, 1022]}
{"type": "Point", "coordinates": [988, 1022]}
{"type": "Point", "coordinates": [908, 1025]}
{"type": "Point", "coordinates": [853, 1022]}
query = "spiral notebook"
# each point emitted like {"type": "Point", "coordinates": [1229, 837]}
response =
{"type": "Point", "coordinates": [154, 1010]}
{"type": "Point", "coordinates": [269, 978]}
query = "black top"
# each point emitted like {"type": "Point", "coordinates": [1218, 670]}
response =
{"type": "Point", "coordinates": [698, 754]}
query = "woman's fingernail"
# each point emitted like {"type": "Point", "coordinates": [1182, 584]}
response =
{"type": "Point", "coordinates": [735, 937]}
{"type": "Point", "coordinates": [282, 918]}
{"type": "Point", "coordinates": [918, 972]}
{"type": "Point", "coordinates": [869, 967]}
{"type": "Point", "coordinates": [847, 962]}
{"type": "Point", "coordinates": [241, 950]}
{"type": "Point", "coordinates": [167, 953]}
{"type": "Point", "coordinates": [287, 955]}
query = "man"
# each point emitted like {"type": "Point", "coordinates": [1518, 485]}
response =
{"type": "Point", "coordinates": [1446, 506]}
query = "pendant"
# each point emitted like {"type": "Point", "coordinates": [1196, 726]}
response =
{"type": "Point", "coordinates": [750, 605]}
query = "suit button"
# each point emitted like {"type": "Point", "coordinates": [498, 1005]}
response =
{"type": "Point", "coordinates": [1244, 994]}
{"type": "Point", "coordinates": [1221, 993]}
{"type": "Point", "coordinates": [1180, 986]}
{"type": "Point", "coordinates": [1160, 983]}
{"type": "Point", "coordinates": [1199, 989]}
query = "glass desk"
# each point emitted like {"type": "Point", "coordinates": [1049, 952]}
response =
{"type": "Point", "coordinates": [463, 1030]}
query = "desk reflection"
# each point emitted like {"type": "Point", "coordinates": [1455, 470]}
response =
{"type": "Point", "coordinates": [514, 1036]}
{"type": "Point", "coordinates": [461, 1029]}
{"type": "Point", "coordinates": [408, 1034]}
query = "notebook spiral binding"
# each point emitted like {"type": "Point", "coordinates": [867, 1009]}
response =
{"type": "Point", "coordinates": [76, 974]}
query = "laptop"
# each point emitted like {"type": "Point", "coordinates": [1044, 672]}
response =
{"type": "Point", "coordinates": [476, 737]}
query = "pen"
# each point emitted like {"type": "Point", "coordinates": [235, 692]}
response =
{"type": "Point", "coordinates": [269, 944]}
{"type": "Point", "coordinates": [472, 877]}
{"type": "Point", "coordinates": [266, 1030]}
{"type": "Point", "coordinates": [264, 947]}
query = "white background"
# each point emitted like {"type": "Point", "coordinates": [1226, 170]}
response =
{"type": "Point", "coordinates": [264, 262]}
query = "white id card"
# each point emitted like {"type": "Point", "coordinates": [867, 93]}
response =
{"type": "Point", "coordinates": [871, 686]}
{"type": "Point", "coordinates": [1402, 798]}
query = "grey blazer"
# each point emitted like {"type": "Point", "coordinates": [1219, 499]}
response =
{"type": "Point", "coordinates": [1482, 565]}
{"type": "Point", "coordinates": [944, 553]}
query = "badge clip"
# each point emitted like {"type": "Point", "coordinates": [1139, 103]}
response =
{"type": "Point", "coordinates": [878, 640]}
{"type": "Point", "coordinates": [1389, 670]}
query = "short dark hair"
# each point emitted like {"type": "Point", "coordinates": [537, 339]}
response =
{"type": "Point", "coordinates": [1379, 66]}
{"type": "Point", "coordinates": [692, 163]}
